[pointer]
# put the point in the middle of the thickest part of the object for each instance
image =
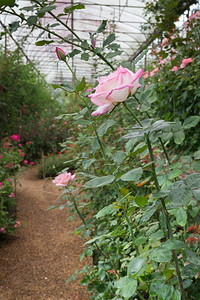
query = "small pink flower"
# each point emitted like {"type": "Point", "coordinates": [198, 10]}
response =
{"type": "Point", "coordinates": [163, 61]}
{"type": "Point", "coordinates": [60, 54]}
{"type": "Point", "coordinates": [31, 163]}
{"type": "Point", "coordinates": [146, 75]}
{"type": "Point", "coordinates": [164, 41]}
{"type": "Point", "coordinates": [152, 73]}
{"type": "Point", "coordinates": [2, 229]}
{"type": "Point", "coordinates": [9, 180]}
{"type": "Point", "coordinates": [0, 156]}
{"type": "Point", "coordinates": [15, 137]}
{"type": "Point", "coordinates": [175, 68]}
{"type": "Point", "coordinates": [1, 184]}
{"type": "Point", "coordinates": [186, 61]}
{"type": "Point", "coordinates": [25, 162]}
{"type": "Point", "coordinates": [22, 110]}
{"type": "Point", "coordinates": [63, 179]}
{"type": "Point", "coordinates": [17, 224]}
{"type": "Point", "coordinates": [12, 195]}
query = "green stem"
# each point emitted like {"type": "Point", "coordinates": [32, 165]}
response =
{"type": "Point", "coordinates": [60, 21]}
{"type": "Point", "coordinates": [163, 147]}
{"type": "Point", "coordinates": [132, 113]}
{"type": "Point", "coordinates": [71, 71]}
{"type": "Point", "coordinates": [83, 220]}
{"type": "Point", "coordinates": [170, 232]}
{"type": "Point", "coordinates": [110, 172]}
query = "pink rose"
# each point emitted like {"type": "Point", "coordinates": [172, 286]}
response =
{"type": "Point", "coordinates": [152, 73]}
{"type": "Point", "coordinates": [12, 195]}
{"type": "Point", "coordinates": [114, 88]}
{"type": "Point", "coordinates": [2, 229]}
{"type": "Point", "coordinates": [17, 224]}
{"type": "Point", "coordinates": [25, 162]}
{"type": "Point", "coordinates": [31, 163]}
{"type": "Point", "coordinates": [146, 75]}
{"type": "Point", "coordinates": [60, 54]}
{"type": "Point", "coordinates": [15, 137]}
{"type": "Point", "coordinates": [63, 179]}
{"type": "Point", "coordinates": [164, 41]}
{"type": "Point", "coordinates": [175, 68]}
{"type": "Point", "coordinates": [186, 61]}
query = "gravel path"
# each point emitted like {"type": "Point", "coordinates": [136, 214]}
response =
{"type": "Point", "coordinates": [36, 262]}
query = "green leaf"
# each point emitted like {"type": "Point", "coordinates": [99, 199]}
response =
{"type": "Point", "coordinates": [87, 163]}
{"type": "Point", "coordinates": [132, 175]}
{"type": "Point", "coordinates": [109, 39]}
{"type": "Point", "coordinates": [140, 240]}
{"type": "Point", "coordinates": [127, 286]}
{"type": "Point", "coordinates": [197, 154]}
{"type": "Point", "coordinates": [32, 20]}
{"type": "Point", "coordinates": [102, 26]}
{"type": "Point", "coordinates": [67, 87]}
{"type": "Point", "coordinates": [43, 42]}
{"type": "Point", "coordinates": [166, 292]}
{"type": "Point", "coordinates": [74, 52]}
{"type": "Point", "coordinates": [99, 181]}
{"type": "Point", "coordinates": [148, 214]}
{"type": "Point", "coordinates": [41, 12]}
{"type": "Point", "coordinates": [187, 283]}
{"type": "Point", "coordinates": [7, 2]}
{"type": "Point", "coordinates": [141, 201]}
{"type": "Point", "coordinates": [179, 197]}
{"type": "Point", "coordinates": [81, 85]}
{"type": "Point", "coordinates": [189, 271]}
{"type": "Point", "coordinates": [135, 265]}
{"type": "Point", "coordinates": [83, 122]}
{"type": "Point", "coordinates": [155, 287]}
{"type": "Point", "coordinates": [192, 257]}
{"type": "Point", "coordinates": [69, 9]}
{"type": "Point", "coordinates": [181, 216]}
{"type": "Point", "coordinates": [174, 173]}
{"type": "Point", "coordinates": [85, 56]}
{"type": "Point", "coordinates": [154, 237]}
{"type": "Point", "coordinates": [161, 255]}
{"type": "Point", "coordinates": [105, 211]}
{"type": "Point", "coordinates": [192, 181]}
{"type": "Point", "coordinates": [14, 26]}
{"type": "Point", "coordinates": [173, 245]}
{"type": "Point", "coordinates": [119, 156]}
{"type": "Point", "coordinates": [105, 126]}
{"type": "Point", "coordinates": [179, 137]}
{"type": "Point", "coordinates": [113, 54]}
{"type": "Point", "coordinates": [176, 295]}
{"type": "Point", "coordinates": [191, 122]}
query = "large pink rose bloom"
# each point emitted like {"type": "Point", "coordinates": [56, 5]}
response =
{"type": "Point", "coordinates": [63, 179]}
{"type": "Point", "coordinates": [114, 88]}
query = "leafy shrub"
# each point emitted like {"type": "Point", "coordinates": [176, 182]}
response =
{"type": "Point", "coordinates": [53, 164]}
{"type": "Point", "coordinates": [11, 159]}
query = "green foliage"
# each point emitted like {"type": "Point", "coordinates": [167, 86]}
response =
{"type": "Point", "coordinates": [11, 159]}
{"type": "Point", "coordinates": [28, 107]}
{"type": "Point", "coordinates": [53, 164]}
{"type": "Point", "coordinates": [177, 92]}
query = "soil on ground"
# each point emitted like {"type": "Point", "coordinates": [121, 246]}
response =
{"type": "Point", "coordinates": [36, 262]}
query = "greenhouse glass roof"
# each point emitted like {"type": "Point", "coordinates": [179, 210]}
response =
{"type": "Point", "coordinates": [125, 18]}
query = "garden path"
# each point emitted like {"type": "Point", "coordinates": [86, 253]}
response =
{"type": "Point", "coordinates": [44, 253]}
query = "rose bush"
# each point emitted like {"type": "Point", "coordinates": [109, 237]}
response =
{"type": "Point", "coordinates": [63, 179]}
{"type": "Point", "coordinates": [114, 88]}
